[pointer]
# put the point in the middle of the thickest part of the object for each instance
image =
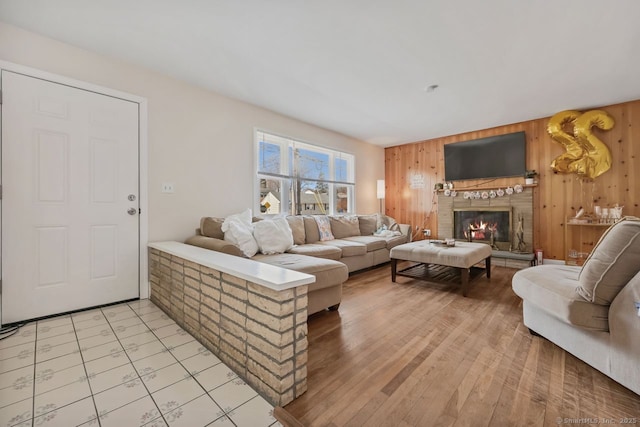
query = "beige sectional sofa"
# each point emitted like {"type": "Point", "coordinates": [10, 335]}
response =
{"type": "Point", "coordinates": [590, 311]}
{"type": "Point", "coordinates": [353, 247]}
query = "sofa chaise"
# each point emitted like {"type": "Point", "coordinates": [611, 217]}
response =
{"type": "Point", "coordinates": [590, 311]}
{"type": "Point", "coordinates": [328, 247]}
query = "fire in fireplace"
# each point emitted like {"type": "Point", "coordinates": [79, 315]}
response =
{"type": "Point", "coordinates": [488, 225]}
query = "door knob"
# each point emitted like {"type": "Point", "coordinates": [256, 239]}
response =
{"type": "Point", "coordinates": [132, 211]}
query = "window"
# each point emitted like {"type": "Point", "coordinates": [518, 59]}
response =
{"type": "Point", "coordinates": [299, 178]}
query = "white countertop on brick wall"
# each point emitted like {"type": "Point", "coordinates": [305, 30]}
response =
{"type": "Point", "coordinates": [270, 276]}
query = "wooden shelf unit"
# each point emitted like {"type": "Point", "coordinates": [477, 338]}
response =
{"type": "Point", "coordinates": [581, 238]}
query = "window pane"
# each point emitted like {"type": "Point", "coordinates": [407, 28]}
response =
{"type": "Point", "coordinates": [341, 172]}
{"type": "Point", "coordinates": [269, 158]}
{"type": "Point", "coordinates": [313, 197]}
{"type": "Point", "coordinates": [344, 198]}
{"type": "Point", "coordinates": [271, 196]}
{"type": "Point", "coordinates": [311, 164]}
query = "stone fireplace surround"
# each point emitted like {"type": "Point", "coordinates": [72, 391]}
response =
{"type": "Point", "coordinates": [521, 204]}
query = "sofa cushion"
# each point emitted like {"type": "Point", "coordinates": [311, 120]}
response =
{"type": "Point", "coordinates": [214, 244]}
{"type": "Point", "coordinates": [552, 288]}
{"type": "Point", "coordinates": [311, 232]}
{"type": "Point", "coordinates": [393, 241]}
{"type": "Point", "coordinates": [324, 227]}
{"type": "Point", "coordinates": [368, 224]}
{"type": "Point", "coordinates": [348, 248]}
{"type": "Point", "coordinates": [296, 223]}
{"type": "Point", "coordinates": [327, 272]}
{"type": "Point", "coordinates": [273, 236]}
{"type": "Point", "coordinates": [344, 226]}
{"type": "Point", "coordinates": [211, 227]}
{"type": "Point", "coordinates": [320, 251]}
{"type": "Point", "coordinates": [372, 243]}
{"type": "Point", "coordinates": [612, 263]}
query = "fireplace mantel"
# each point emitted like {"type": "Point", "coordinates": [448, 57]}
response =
{"type": "Point", "coordinates": [460, 190]}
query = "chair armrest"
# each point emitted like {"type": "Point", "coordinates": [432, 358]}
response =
{"type": "Point", "coordinates": [624, 327]}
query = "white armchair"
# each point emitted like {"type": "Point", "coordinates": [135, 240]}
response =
{"type": "Point", "coordinates": [590, 311]}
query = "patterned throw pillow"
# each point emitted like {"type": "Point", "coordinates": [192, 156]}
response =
{"type": "Point", "coordinates": [324, 227]}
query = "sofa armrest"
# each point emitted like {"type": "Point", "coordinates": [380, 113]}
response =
{"type": "Point", "coordinates": [214, 244]}
{"type": "Point", "coordinates": [624, 327]}
{"type": "Point", "coordinates": [405, 229]}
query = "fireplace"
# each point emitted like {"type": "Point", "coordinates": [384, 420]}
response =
{"type": "Point", "coordinates": [489, 225]}
{"type": "Point", "coordinates": [517, 206]}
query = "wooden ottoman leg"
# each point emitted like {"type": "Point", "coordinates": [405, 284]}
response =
{"type": "Point", "coordinates": [464, 274]}
{"type": "Point", "coordinates": [487, 263]}
{"type": "Point", "coordinates": [394, 265]}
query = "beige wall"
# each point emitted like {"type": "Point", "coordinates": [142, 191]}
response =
{"type": "Point", "coordinates": [198, 140]}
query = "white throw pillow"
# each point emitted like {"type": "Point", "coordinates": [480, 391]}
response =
{"type": "Point", "coordinates": [273, 236]}
{"type": "Point", "coordinates": [244, 217]}
{"type": "Point", "coordinates": [239, 231]}
{"type": "Point", "coordinates": [241, 235]}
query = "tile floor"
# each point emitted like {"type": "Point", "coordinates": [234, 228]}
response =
{"type": "Point", "coordinates": [123, 365]}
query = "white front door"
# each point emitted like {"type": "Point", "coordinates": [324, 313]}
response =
{"type": "Point", "coordinates": [70, 223]}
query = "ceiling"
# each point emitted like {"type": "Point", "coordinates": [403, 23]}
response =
{"type": "Point", "coordinates": [363, 67]}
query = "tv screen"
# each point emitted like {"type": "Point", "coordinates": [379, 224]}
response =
{"type": "Point", "coordinates": [493, 157]}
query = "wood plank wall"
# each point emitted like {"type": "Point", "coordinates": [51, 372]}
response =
{"type": "Point", "coordinates": [556, 196]}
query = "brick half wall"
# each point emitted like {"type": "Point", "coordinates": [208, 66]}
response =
{"type": "Point", "coordinates": [258, 332]}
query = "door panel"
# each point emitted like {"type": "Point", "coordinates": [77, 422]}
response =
{"type": "Point", "coordinates": [104, 167]}
{"type": "Point", "coordinates": [69, 162]}
{"type": "Point", "coordinates": [51, 166]}
{"type": "Point", "coordinates": [104, 251]}
{"type": "Point", "coordinates": [52, 251]}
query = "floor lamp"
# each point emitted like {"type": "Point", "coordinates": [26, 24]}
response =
{"type": "Point", "coordinates": [380, 193]}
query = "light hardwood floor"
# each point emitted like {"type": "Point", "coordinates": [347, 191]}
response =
{"type": "Point", "coordinates": [414, 353]}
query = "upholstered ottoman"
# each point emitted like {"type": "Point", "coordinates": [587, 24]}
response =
{"type": "Point", "coordinates": [461, 258]}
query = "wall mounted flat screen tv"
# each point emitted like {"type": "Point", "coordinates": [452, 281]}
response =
{"type": "Point", "coordinates": [493, 157]}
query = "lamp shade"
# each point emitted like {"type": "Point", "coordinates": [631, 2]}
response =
{"type": "Point", "coordinates": [380, 188]}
